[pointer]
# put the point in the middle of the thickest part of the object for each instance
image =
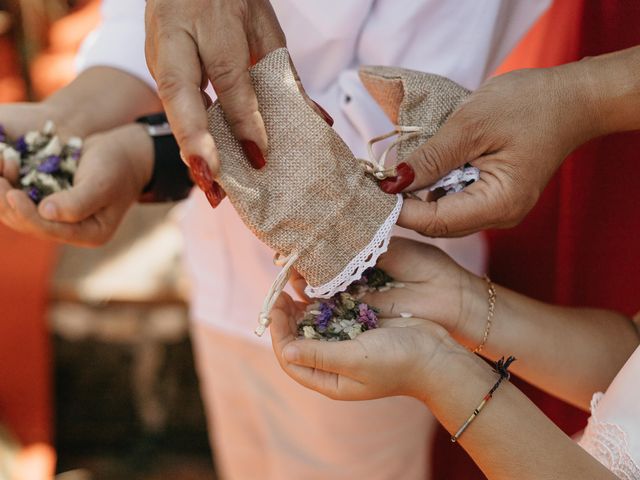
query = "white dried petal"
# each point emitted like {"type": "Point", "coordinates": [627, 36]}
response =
{"type": "Point", "coordinates": [384, 289]}
{"type": "Point", "coordinates": [406, 315]}
{"type": "Point", "coordinates": [309, 332]}
{"type": "Point", "coordinates": [3, 147]}
{"type": "Point", "coordinates": [315, 312]}
{"type": "Point", "coordinates": [32, 138]}
{"type": "Point", "coordinates": [75, 143]}
{"type": "Point", "coordinates": [29, 178]}
{"type": "Point", "coordinates": [49, 128]}
{"type": "Point", "coordinates": [48, 181]}
{"type": "Point", "coordinates": [354, 331]}
{"type": "Point", "coordinates": [53, 148]}
{"type": "Point", "coordinates": [69, 165]}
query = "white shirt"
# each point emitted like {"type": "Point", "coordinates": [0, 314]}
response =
{"type": "Point", "coordinates": [464, 40]}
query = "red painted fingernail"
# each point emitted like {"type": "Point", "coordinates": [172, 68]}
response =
{"type": "Point", "coordinates": [203, 178]}
{"type": "Point", "coordinates": [215, 194]}
{"type": "Point", "coordinates": [254, 154]}
{"type": "Point", "coordinates": [325, 114]}
{"type": "Point", "coordinates": [396, 184]}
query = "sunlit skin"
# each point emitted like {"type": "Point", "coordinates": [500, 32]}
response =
{"type": "Point", "coordinates": [427, 357]}
{"type": "Point", "coordinates": [517, 129]}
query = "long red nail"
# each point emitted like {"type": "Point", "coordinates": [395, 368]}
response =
{"type": "Point", "coordinates": [396, 184]}
{"type": "Point", "coordinates": [253, 153]}
{"type": "Point", "coordinates": [203, 178]}
{"type": "Point", "coordinates": [215, 194]}
{"type": "Point", "coordinates": [325, 114]}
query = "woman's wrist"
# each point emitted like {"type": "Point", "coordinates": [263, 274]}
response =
{"type": "Point", "coordinates": [474, 311]}
{"type": "Point", "coordinates": [450, 366]}
{"type": "Point", "coordinates": [138, 148]}
{"type": "Point", "coordinates": [70, 120]}
{"type": "Point", "coordinates": [609, 90]}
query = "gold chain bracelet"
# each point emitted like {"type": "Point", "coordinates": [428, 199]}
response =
{"type": "Point", "coordinates": [491, 289]}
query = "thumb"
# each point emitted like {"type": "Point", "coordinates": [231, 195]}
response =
{"type": "Point", "coordinates": [475, 209]}
{"type": "Point", "coordinates": [74, 205]}
{"type": "Point", "coordinates": [450, 148]}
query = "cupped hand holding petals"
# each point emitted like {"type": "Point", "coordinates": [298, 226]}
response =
{"type": "Point", "coordinates": [398, 358]}
{"type": "Point", "coordinates": [89, 213]}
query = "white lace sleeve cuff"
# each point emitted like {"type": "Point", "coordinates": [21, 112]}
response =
{"type": "Point", "coordinates": [608, 443]}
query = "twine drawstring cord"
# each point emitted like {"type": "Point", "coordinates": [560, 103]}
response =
{"type": "Point", "coordinates": [286, 262]}
{"type": "Point", "coordinates": [375, 166]}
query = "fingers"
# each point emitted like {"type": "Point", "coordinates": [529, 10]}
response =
{"type": "Point", "coordinates": [201, 175]}
{"type": "Point", "coordinates": [456, 215]}
{"type": "Point", "coordinates": [342, 358]}
{"type": "Point", "coordinates": [409, 260]}
{"type": "Point", "coordinates": [396, 301]}
{"type": "Point", "coordinates": [76, 204]}
{"type": "Point", "coordinates": [174, 61]}
{"type": "Point", "coordinates": [283, 337]}
{"type": "Point", "coordinates": [10, 169]}
{"type": "Point", "coordinates": [332, 385]}
{"type": "Point", "coordinates": [455, 144]}
{"type": "Point", "coordinates": [299, 284]}
{"type": "Point", "coordinates": [19, 213]}
{"type": "Point", "coordinates": [264, 34]}
{"type": "Point", "coordinates": [226, 58]}
{"type": "Point", "coordinates": [328, 356]}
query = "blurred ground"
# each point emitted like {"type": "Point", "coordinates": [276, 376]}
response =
{"type": "Point", "coordinates": [127, 402]}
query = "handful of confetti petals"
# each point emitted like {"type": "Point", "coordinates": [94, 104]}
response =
{"type": "Point", "coordinates": [344, 316]}
{"type": "Point", "coordinates": [46, 164]}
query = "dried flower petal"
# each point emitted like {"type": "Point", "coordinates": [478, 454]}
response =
{"type": "Point", "coordinates": [344, 316]}
{"type": "Point", "coordinates": [34, 194]}
{"type": "Point", "coordinates": [45, 164]}
{"type": "Point", "coordinates": [50, 165]}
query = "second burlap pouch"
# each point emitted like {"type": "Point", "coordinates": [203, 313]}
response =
{"type": "Point", "coordinates": [418, 104]}
{"type": "Point", "coordinates": [312, 202]}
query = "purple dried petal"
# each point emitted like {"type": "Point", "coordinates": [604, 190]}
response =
{"type": "Point", "coordinates": [3, 134]}
{"type": "Point", "coordinates": [322, 320]}
{"type": "Point", "coordinates": [21, 145]}
{"type": "Point", "coordinates": [34, 194]}
{"type": "Point", "coordinates": [50, 164]}
{"type": "Point", "coordinates": [367, 317]}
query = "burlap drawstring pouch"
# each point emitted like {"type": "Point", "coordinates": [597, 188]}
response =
{"type": "Point", "coordinates": [418, 104]}
{"type": "Point", "coordinates": [312, 203]}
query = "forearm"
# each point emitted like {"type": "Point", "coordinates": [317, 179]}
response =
{"type": "Point", "coordinates": [570, 352]}
{"type": "Point", "coordinates": [100, 99]}
{"type": "Point", "coordinates": [611, 85]}
{"type": "Point", "coordinates": [510, 438]}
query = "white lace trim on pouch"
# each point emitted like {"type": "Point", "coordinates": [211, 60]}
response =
{"type": "Point", "coordinates": [608, 444]}
{"type": "Point", "coordinates": [367, 258]}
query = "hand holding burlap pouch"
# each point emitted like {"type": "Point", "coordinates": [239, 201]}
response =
{"type": "Point", "coordinates": [418, 104]}
{"type": "Point", "coordinates": [312, 202]}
